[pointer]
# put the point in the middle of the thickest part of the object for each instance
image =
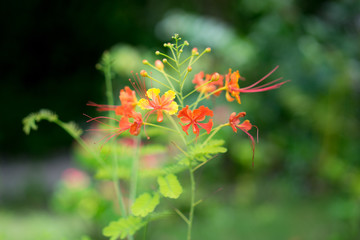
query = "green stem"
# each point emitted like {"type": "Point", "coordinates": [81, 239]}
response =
{"type": "Point", "coordinates": [214, 132]}
{"type": "Point", "coordinates": [192, 203]}
{"type": "Point", "coordinates": [177, 128]}
{"type": "Point", "coordinates": [110, 100]}
{"type": "Point", "coordinates": [80, 141]}
{"type": "Point", "coordinates": [134, 171]}
{"type": "Point", "coordinates": [199, 100]}
{"type": "Point", "coordinates": [158, 126]}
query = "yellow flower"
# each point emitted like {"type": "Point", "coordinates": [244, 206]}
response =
{"type": "Point", "coordinates": [159, 104]}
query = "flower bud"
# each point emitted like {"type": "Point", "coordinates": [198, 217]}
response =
{"type": "Point", "coordinates": [143, 73]}
{"type": "Point", "coordinates": [215, 77]}
{"type": "Point", "coordinates": [164, 60]}
{"type": "Point", "coordinates": [145, 62]}
{"type": "Point", "coordinates": [194, 51]}
{"type": "Point", "coordinates": [189, 69]}
{"type": "Point", "coordinates": [208, 49]}
{"type": "Point", "coordinates": [186, 43]}
{"type": "Point", "coordinates": [157, 53]}
{"type": "Point", "coordinates": [159, 65]}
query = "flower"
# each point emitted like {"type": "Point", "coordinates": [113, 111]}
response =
{"type": "Point", "coordinates": [159, 104]}
{"type": "Point", "coordinates": [128, 96]}
{"type": "Point", "coordinates": [245, 126]}
{"type": "Point", "coordinates": [192, 118]}
{"type": "Point", "coordinates": [211, 83]}
{"type": "Point", "coordinates": [128, 103]}
{"type": "Point", "coordinates": [125, 124]}
{"type": "Point", "coordinates": [233, 89]}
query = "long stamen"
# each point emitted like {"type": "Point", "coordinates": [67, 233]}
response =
{"type": "Point", "coordinates": [102, 107]}
{"type": "Point", "coordinates": [93, 119]}
{"type": "Point", "coordinates": [263, 78]}
{"type": "Point", "coordinates": [261, 88]}
{"type": "Point", "coordinates": [96, 120]}
{"type": "Point", "coordinates": [117, 133]}
{"type": "Point", "coordinates": [136, 85]}
{"type": "Point", "coordinates": [264, 85]}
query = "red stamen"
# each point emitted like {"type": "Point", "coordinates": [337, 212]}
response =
{"type": "Point", "coordinates": [101, 107]}
{"type": "Point", "coordinates": [262, 79]}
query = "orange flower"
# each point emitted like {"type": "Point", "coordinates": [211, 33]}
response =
{"type": "Point", "coordinates": [128, 103]}
{"type": "Point", "coordinates": [192, 118]}
{"type": "Point", "coordinates": [245, 126]}
{"type": "Point", "coordinates": [125, 124]}
{"type": "Point", "coordinates": [158, 104]}
{"type": "Point", "coordinates": [209, 84]}
{"type": "Point", "coordinates": [233, 89]}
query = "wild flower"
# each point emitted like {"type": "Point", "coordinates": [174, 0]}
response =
{"type": "Point", "coordinates": [208, 85]}
{"type": "Point", "coordinates": [195, 151]}
{"type": "Point", "coordinates": [193, 119]}
{"type": "Point", "coordinates": [233, 89]}
{"type": "Point", "coordinates": [124, 124]}
{"type": "Point", "coordinates": [245, 126]}
{"type": "Point", "coordinates": [155, 103]}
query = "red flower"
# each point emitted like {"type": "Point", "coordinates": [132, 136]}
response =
{"type": "Point", "coordinates": [245, 126]}
{"type": "Point", "coordinates": [128, 103]}
{"type": "Point", "coordinates": [192, 118]}
{"type": "Point", "coordinates": [125, 124]}
{"type": "Point", "coordinates": [233, 89]}
{"type": "Point", "coordinates": [209, 84]}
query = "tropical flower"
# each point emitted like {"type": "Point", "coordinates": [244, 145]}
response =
{"type": "Point", "coordinates": [192, 118]}
{"type": "Point", "coordinates": [233, 90]}
{"type": "Point", "coordinates": [155, 103]}
{"type": "Point", "coordinates": [134, 126]}
{"type": "Point", "coordinates": [245, 126]}
{"type": "Point", "coordinates": [128, 103]}
{"type": "Point", "coordinates": [208, 85]}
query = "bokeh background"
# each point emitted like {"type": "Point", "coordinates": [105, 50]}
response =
{"type": "Point", "coordinates": [306, 179]}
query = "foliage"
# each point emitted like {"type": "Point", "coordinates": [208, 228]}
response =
{"type": "Point", "coordinates": [177, 112]}
{"type": "Point", "coordinates": [169, 186]}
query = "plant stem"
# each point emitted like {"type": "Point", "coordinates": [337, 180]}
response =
{"type": "Point", "coordinates": [192, 202]}
{"type": "Point", "coordinates": [80, 141]}
{"type": "Point", "coordinates": [134, 171]}
{"type": "Point", "coordinates": [110, 100]}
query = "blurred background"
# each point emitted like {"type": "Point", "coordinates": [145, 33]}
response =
{"type": "Point", "coordinates": [306, 179]}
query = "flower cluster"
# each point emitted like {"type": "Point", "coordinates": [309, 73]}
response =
{"type": "Point", "coordinates": [172, 102]}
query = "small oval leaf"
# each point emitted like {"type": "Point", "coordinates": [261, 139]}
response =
{"type": "Point", "coordinates": [170, 186]}
{"type": "Point", "coordinates": [145, 204]}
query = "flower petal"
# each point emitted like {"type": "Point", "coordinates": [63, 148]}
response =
{"type": "Point", "coordinates": [207, 126]}
{"type": "Point", "coordinates": [144, 104]}
{"type": "Point", "coordinates": [152, 93]}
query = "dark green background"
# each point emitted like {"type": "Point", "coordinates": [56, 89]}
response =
{"type": "Point", "coordinates": [307, 161]}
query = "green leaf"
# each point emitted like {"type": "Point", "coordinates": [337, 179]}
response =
{"type": "Point", "coordinates": [72, 129]}
{"type": "Point", "coordinates": [145, 204]}
{"type": "Point", "coordinates": [169, 186]}
{"type": "Point", "coordinates": [202, 153]}
{"type": "Point", "coordinates": [123, 228]}
{"type": "Point", "coordinates": [30, 121]}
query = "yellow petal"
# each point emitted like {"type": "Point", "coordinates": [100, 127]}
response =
{"type": "Point", "coordinates": [152, 93]}
{"type": "Point", "coordinates": [173, 108]}
{"type": "Point", "coordinates": [169, 95]}
{"type": "Point", "coordinates": [144, 104]}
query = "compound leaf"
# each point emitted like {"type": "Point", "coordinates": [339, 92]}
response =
{"type": "Point", "coordinates": [123, 228]}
